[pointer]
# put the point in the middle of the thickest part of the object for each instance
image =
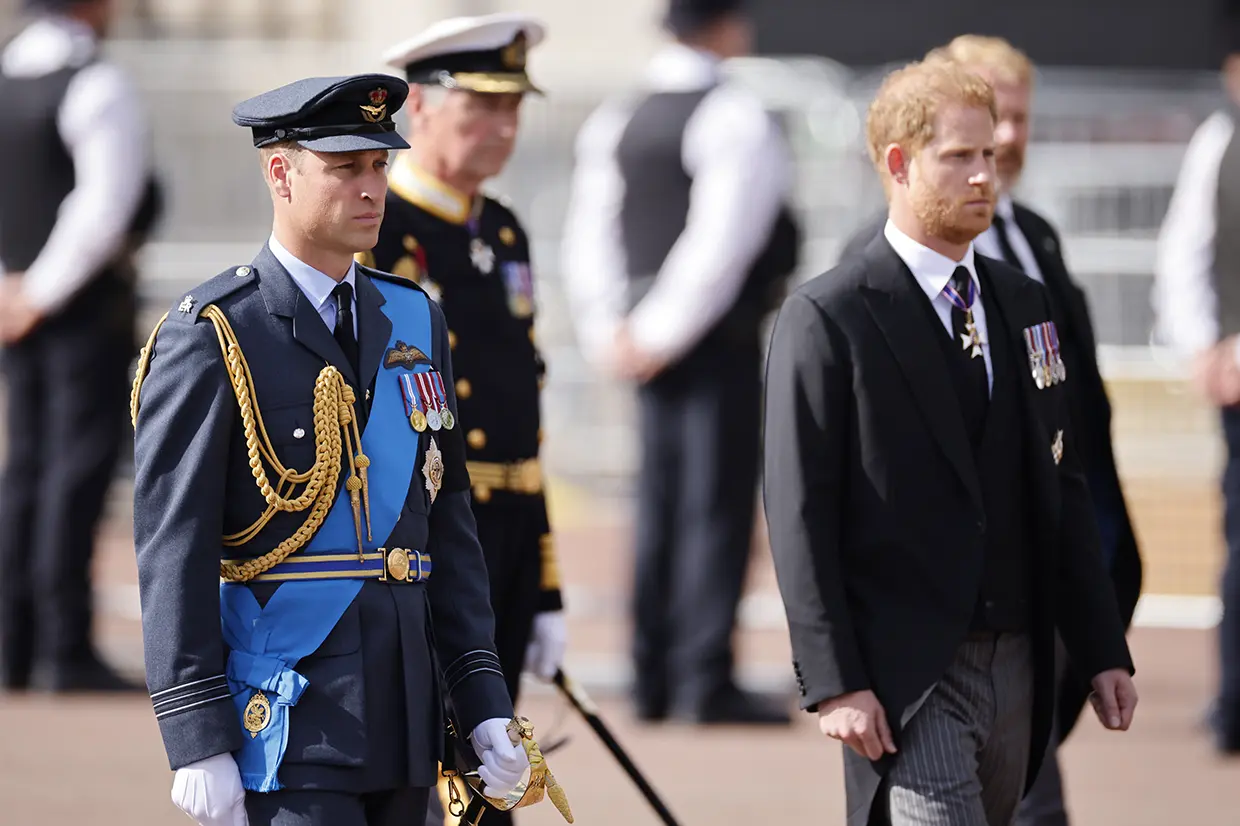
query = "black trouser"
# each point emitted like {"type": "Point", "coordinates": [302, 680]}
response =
{"type": "Point", "coordinates": [66, 417]}
{"type": "Point", "coordinates": [695, 497]}
{"type": "Point", "coordinates": [401, 807]}
{"type": "Point", "coordinates": [1228, 722]}
{"type": "Point", "coordinates": [510, 528]}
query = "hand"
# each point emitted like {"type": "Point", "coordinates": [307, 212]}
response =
{"type": "Point", "coordinates": [503, 763]}
{"type": "Point", "coordinates": [547, 643]}
{"type": "Point", "coordinates": [210, 792]}
{"type": "Point", "coordinates": [629, 361]}
{"type": "Point", "coordinates": [17, 316]}
{"type": "Point", "coordinates": [1114, 699]}
{"type": "Point", "coordinates": [1216, 373]}
{"type": "Point", "coordinates": [857, 720]}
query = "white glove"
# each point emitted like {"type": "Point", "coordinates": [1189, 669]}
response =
{"type": "Point", "coordinates": [547, 643]}
{"type": "Point", "coordinates": [503, 764]}
{"type": "Point", "coordinates": [210, 792]}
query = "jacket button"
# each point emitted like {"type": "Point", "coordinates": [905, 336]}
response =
{"type": "Point", "coordinates": [477, 439]}
{"type": "Point", "coordinates": [451, 340]}
{"type": "Point", "coordinates": [464, 389]}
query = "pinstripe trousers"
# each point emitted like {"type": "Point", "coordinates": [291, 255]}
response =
{"type": "Point", "coordinates": [964, 753]}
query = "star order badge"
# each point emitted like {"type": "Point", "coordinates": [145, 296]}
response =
{"type": "Point", "coordinates": [971, 339]}
{"type": "Point", "coordinates": [432, 469]}
{"type": "Point", "coordinates": [481, 256]}
{"type": "Point", "coordinates": [1057, 447]}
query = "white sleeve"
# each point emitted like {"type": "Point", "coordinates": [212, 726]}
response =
{"type": "Point", "coordinates": [593, 260]}
{"type": "Point", "coordinates": [1183, 294]}
{"type": "Point", "coordinates": [741, 173]}
{"type": "Point", "coordinates": [103, 126]}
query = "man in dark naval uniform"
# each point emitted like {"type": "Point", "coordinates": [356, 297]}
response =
{"type": "Point", "coordinates": [281, 447]}
{"type": "Point", "coordinates": [72, 214]}
{"type": "Point", "coordinates": [469, 252]}
{"type": "Point", "coordinates": [1025, 240]}
{"type": "Point", "coordinates": [677, 237]}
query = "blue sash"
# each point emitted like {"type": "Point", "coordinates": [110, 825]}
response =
{"type": "Point", "coordinates": [267, 642]}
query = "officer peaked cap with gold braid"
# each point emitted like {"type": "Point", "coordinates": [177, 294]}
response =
{"type": "Point", "coordinates": [478, 54]}
{"type": "Point", "coordinates": [328, 114]}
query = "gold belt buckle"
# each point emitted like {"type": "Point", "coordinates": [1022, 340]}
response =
{"type": "Point", "coordinates": [396, 564]}
{"type": "Point", "coordinates": [528, 476]}
{"type": "Point", "coordinates": [399, 564]}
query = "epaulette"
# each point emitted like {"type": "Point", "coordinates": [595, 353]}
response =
{"type": "Point", "coordinates": [187, 308]}
{"type": "Point", "coordinates": [371, 272]}
{"type": "Point", "coordinates": [505, 203]}
{"type": "Point", "coordinates": [500, 200]}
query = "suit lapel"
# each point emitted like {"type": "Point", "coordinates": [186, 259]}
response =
{"type": "Point", "coordinates": [1064, 305]}
{"type": "Point", "coordinates": [284, 298]}
{"type": "Point", "coordinates": [1014, 296]}
{"type": "Point", "coordinates": [1018, 301]}
{"type": "Point", "coordinates": [374, 328]}
{"type": "Point", "coordinates": [892, 296]}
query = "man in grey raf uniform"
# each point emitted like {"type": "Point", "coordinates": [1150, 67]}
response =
{"type": "Point", "coordinates": [276, 450]}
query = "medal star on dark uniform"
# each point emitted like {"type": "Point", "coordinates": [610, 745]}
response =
{"type": "Point", "coordinates": [432, 470]}
{"type": "Point", "coordinates": [482, 256]}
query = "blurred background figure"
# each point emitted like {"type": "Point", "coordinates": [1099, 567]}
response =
{"type": "Point", "coordinates": [677, 237]}
{"type": "Point", "coordinates": [1197, 300]}
{"type": "Point", "coordinates": [1024, 239]}
{"type": "Point", "coordinates": [77, 198]}
{"type": "Point", "coordinates": [469, 252]}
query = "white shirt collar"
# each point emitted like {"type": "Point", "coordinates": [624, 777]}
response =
{"type": "Point", "coordinates": [47, 45]}
{"type": "Point", "coordinates": [1006, 209]}
{"type": "Point", "coordinates": [317, 286]}
{"type": "Point", "coordinates": [677, 67]}
{"type": "Point", "coordinates": [931, 269]}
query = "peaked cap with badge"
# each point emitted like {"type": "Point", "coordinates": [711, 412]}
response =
{"type": "Point", "coordinates": [478, 54]}
{"type": "Point", "coordinates": [328, 114]}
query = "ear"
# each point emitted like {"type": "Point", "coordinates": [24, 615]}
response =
{"type": "Point", "coordinates": [897, 163]}
{"type": "Point", "coordinates": [279, 170]}
{"type": "Point", "coordinates": [416, 99]}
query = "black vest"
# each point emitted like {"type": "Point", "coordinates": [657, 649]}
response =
{"type": "Point", "coordinates": [997, 437]}
{"type": "Point", "coordinates": [40, 174]}
{"type": "Point", "coordinates": [38, 180]}
{"type": "Point", "coordinates": [655, 209]}
{"type": "Point", "coordinates": [1226, 269]}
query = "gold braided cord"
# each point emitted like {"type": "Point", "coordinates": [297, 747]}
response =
{"type": "Point", "coordinates": [144, 364]}
{"type": "Point", "coordinates": [335, 433]}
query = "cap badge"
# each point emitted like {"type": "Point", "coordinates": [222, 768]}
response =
{"type": "Point", "coordinates": [513, 55]}
{"type": "Point", "coordinates": [377, 110]}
